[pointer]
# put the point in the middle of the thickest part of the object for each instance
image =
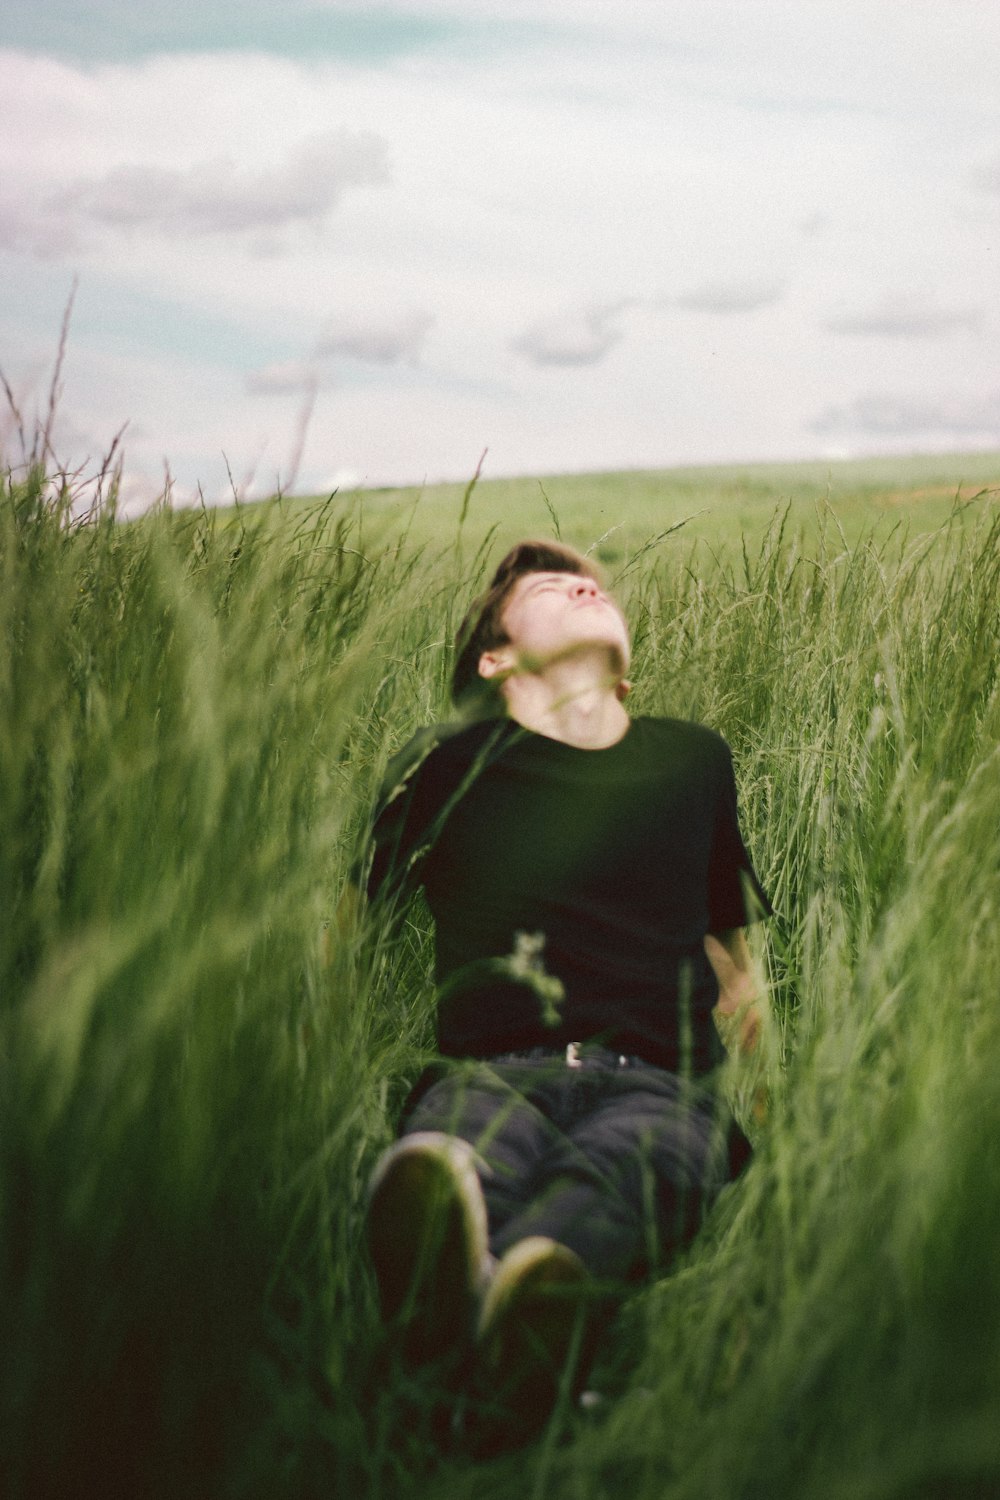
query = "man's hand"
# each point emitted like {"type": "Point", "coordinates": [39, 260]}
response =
{"type": "Point", "coordinates": [739, 990]}
{"type": "Point", "coordinates": [738, 1011]}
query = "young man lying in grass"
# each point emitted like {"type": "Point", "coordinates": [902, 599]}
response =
{"type": "Point", "coordinates": [589, 887]}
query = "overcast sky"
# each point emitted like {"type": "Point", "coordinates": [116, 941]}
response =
{"type": "Point", "coordinates": [576, 234]}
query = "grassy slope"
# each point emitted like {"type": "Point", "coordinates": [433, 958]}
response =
{"type": "Point", "coordinates": [713, 503]}
{"type": "Point", "coordinates": [195, 1074]}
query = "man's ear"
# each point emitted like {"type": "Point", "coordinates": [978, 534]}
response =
{"type": "Point", "coordinates": [492, 663]}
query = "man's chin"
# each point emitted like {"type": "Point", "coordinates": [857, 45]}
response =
{"type": "Point", "coordinates": [618, 660]}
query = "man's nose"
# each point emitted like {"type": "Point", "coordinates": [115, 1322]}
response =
{"type": "Point", "coordinates": [583, 586]}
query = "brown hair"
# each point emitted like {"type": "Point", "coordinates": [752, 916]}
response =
{"type": "Point", "coordinates": [482, 628]}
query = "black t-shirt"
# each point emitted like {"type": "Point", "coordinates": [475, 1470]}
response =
{"type": "Point", "coordinates": [605, 868]}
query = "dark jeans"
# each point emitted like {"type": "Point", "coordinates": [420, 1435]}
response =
{"type": "Point", "coordinates": [612, 1157]}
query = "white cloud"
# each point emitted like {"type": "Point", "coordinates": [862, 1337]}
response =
{"type": "Point", "coordinates": [731, 297]}
{"type": "Point", "coordinates": [374, 339]}
{"type": "Point", "coordinates": [914, 416]}
{"type": "Point", "coordinates": [578, 337]}
{"type": "Point", "coordinates": [585, 335]}
{"type": "Point", "coordinates": [907, 317]}
{"type": "Point", "coordinates": [220, 197]}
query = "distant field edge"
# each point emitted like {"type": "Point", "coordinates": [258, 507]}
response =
{"type": "Point", "coordinates": [962, 467]}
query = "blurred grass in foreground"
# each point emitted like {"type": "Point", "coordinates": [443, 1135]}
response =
{"type": "Point", "coordinates": [197, 1069]}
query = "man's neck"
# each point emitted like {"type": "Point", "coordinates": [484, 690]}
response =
{"type": "Point", "coordinates": [575, 700]}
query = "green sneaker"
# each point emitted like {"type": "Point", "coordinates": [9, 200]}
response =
{"type": "Point", "coordinates": [428, 1239]}
{"type": "Point", "coordinates": [535, 1342]}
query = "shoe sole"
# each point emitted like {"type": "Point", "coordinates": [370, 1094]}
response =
{"type": "Point", "coordinates": [427, 1238]}
{"type": "Point", "coordinates": [534, 1339]}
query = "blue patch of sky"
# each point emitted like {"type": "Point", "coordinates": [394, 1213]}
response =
{"type": "Point", "coordinates": [114, 31]}
{"type": "Point", "coordinates": [119, 318]}
{"type": "Point", "coordinates": [137, 323]}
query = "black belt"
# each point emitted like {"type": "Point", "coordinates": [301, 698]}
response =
{"type": "Point", "coordinates": [575, 1055]}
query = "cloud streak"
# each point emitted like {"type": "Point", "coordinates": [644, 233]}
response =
{"type": "Point", "coordinates": [218, 197]}
{"type": "Point", "coordinates": [902, 416]}
{"type": "Point", "coordinates": [586, 335]}
{"type": "Point", "coordinates": [906, 318]}
{"type": "Point", "coordinates": [378, 341]}
{"type": "Point", "coordinates": [730, 298]}
{"type": "Point", "coordinates": [581, 336]}
{"type": "Point", "coordinates": [366, 339]}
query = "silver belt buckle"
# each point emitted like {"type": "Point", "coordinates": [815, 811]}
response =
{"type": "Point", "coordinates": [573, 1058]}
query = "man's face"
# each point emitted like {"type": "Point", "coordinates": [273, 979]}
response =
{"type": "Point", "coordinates": [549, 616]}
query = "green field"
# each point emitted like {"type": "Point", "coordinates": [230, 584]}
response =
{"type": "Point", "coordinates": [197, 1070]}
{"type": "Point", "coordinates": [619, 513]}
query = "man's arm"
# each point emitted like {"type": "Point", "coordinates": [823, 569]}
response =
{"type": "Point", "coordinates": [739, 986]}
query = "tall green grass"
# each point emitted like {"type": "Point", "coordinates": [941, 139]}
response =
{"type": "Point", "coordinates": [199, 1065]}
